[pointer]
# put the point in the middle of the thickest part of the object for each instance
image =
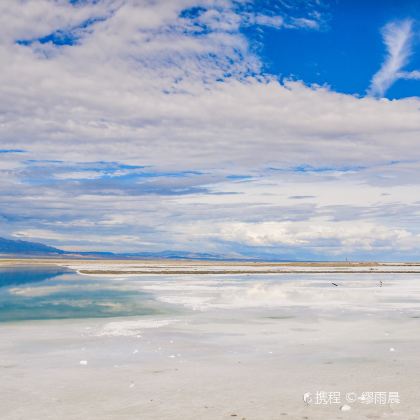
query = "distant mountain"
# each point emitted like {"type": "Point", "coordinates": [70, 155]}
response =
{"type": "Point", "coordinates": [17, 247]}
{"type": "Point", "coordinates": [178, 255]}
{"type": "Point", "coordinates": [27, 249]}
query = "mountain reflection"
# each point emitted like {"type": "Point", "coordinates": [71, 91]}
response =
{"type": "Point", "coordinates": [13, 276]}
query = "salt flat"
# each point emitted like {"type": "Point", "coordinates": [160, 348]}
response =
{"type": "Point", "coordinates": [217, 346]}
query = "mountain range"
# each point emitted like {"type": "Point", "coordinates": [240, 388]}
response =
{"type": "Point", "coordinates": [19, 248]}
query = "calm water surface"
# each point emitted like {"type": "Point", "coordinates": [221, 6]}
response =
{"type": "Point", "coordinates": [49, 292]}
{"type": "Point", "coordinates": [36, 293]}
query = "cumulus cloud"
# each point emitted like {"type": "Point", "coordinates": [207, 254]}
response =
{"type": "Point", "coordinates": [344, 235]}
{"type": "Point", "coordinates": [156, 129]}
{"type": "Point", "coordinates": [30, 19]}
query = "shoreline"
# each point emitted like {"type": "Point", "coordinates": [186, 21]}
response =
{"type": "Point", "coordinates": [240, 272]}
{"type": "Point", "coordinates": [99, 267]}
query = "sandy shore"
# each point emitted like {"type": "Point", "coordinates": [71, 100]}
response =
{"type": "Point", "coordinates": [248, 347]}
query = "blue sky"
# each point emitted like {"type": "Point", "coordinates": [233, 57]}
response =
{"type": "Point", "coordinates": [346, 51]}
{"type": "Point", "coordinates": [276, 129]}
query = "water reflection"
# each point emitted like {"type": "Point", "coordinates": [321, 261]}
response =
{"type": "Point", "coordinates": [13, 276]}
{"type": "Point", "coordinates": [48, 292]}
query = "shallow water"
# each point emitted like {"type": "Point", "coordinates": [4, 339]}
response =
{"type": "Point", "coordinates": [10, 276]}
{"type": "Point", "coordinates": [37, 293]}
{"type": "Point", "coordinates": [206, 346]}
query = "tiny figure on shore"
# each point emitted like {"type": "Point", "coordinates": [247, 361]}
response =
{"type": "Point", "coordinates": [380, 283]}
{"type": "Point", "coordinates": [334, 284]}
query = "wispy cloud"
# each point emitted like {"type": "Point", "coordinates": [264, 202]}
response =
{"type": "Point", "coordinates": [397, 37]}
{"type": "Point", "coordinates": [132, 138]}
{"type": "Point", "coordinates": [409, 75]}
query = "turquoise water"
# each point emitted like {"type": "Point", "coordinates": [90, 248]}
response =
{"type": "Point", "coordinates": [38, 293]}
{"type": "Point", "coordinates": [48, 292]}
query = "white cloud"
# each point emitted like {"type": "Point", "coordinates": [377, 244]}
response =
{"type": "Point", "coordinates": [78, 175]}
{"type": "Point", "coordinates": [409, 75]}
{"type": "Point", "coordinates": [265, 20]}
{"type": "Point", "coordinates": [304, 23]}
{"type": "Point", "coordinates": [28, 19]}
{"type": "Point", "coordinates": [43, 234]}
{"type": "Point", "coordinates": [397, 37]}
{"type": "Point", "coordinates": [149, 86]}
{"type": "Point", "coordinates": [339, 237]}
